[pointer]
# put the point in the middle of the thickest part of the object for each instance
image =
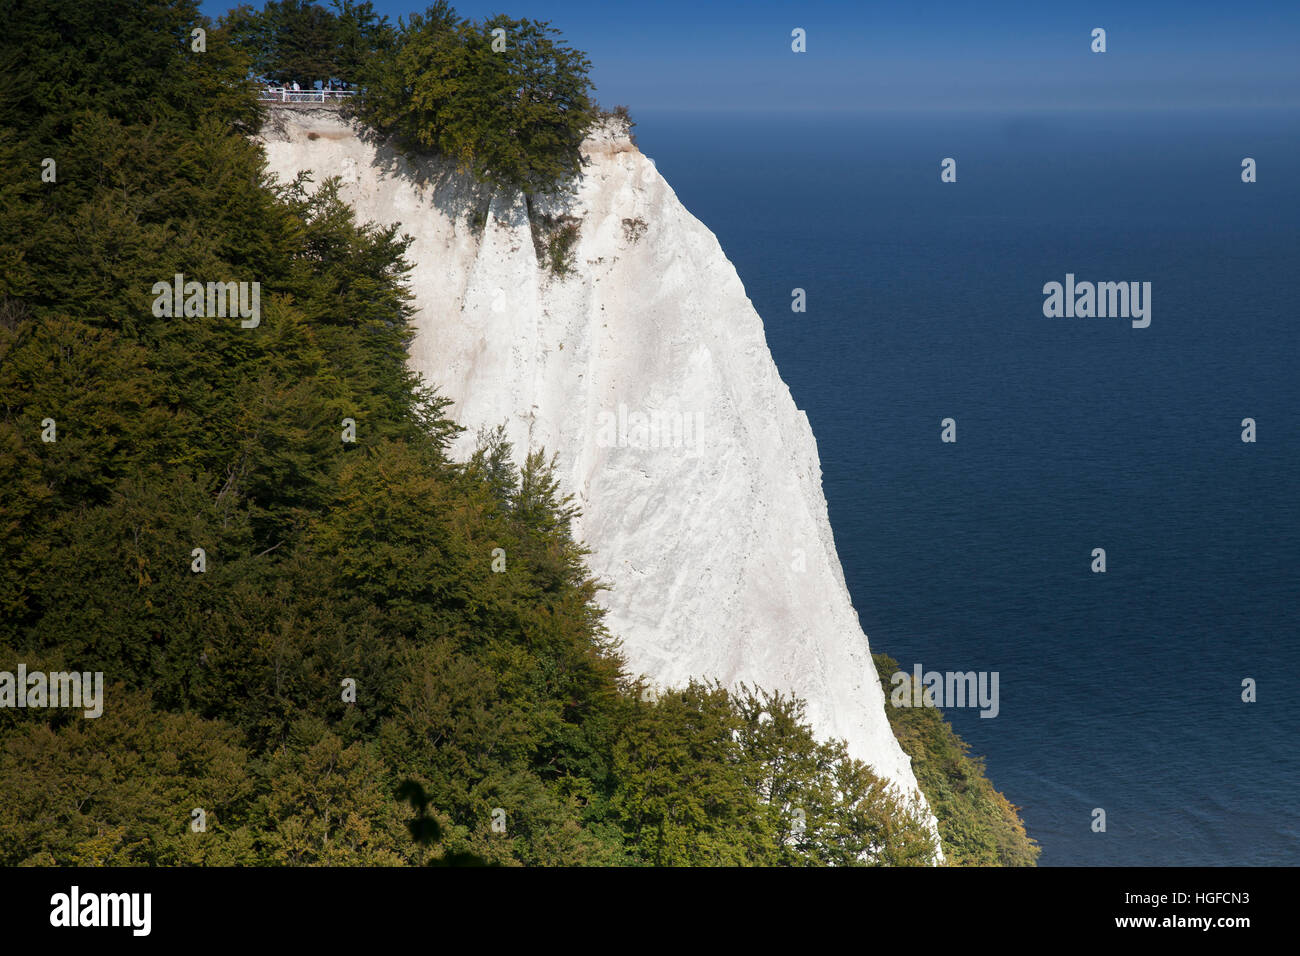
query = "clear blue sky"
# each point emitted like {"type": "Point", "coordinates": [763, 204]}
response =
{"type": "Point", "coordinates": [913, 54]}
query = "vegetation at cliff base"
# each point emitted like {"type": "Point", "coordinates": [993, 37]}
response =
{"type": "Point", "coordinates": [977, 825]}
{"type": "Point", "coordinates": [322, 640]}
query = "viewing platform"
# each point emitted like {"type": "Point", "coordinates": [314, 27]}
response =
{"type": "Point", "coordinates": [285, 96]}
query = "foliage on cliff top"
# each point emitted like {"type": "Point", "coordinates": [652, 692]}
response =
{"type": "Point", "coordinates": [506, 99]}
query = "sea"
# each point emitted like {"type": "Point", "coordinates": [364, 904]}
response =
{"type": "Point", "coordinates": [1119, 691]}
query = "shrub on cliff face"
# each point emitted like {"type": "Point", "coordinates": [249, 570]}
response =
{"type": "Point", "coordinates": [553, 240]}
{"type": "Point", "coordinates": [506, 99]}
{"type": "Point", "coordinates": [621, 116]}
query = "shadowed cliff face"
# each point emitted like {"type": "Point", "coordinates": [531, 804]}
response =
{"type": "Point", "coordinates": [644, 365]}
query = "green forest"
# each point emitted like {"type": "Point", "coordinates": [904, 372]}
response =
{"type": "Point", "coordinates": [324, 641]}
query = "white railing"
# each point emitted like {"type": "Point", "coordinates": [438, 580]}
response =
{"type": "Point", "coordinates": [286, 95]}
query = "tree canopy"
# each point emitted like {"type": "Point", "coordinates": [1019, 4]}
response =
{"type": "Point", "coordinates": [299, 41]}
{"type": "Point", "coordinates": [506, 99]}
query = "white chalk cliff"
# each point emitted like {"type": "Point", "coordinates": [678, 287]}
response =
{"type": "Point", "coordinates": [646, 368]}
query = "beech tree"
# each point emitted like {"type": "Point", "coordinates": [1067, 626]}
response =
{"type": "Point", "coordinates": [506, 99]}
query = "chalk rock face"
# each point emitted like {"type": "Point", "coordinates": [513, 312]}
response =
{"type": "Point", "coordinates": [646, 368]}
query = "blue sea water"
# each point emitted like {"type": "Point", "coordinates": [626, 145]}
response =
{"type": "Point", "coordinates": [924, 301]}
